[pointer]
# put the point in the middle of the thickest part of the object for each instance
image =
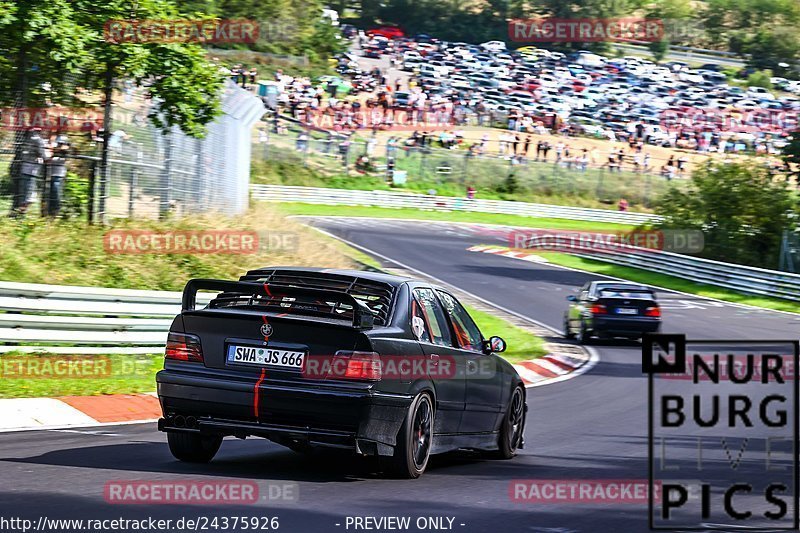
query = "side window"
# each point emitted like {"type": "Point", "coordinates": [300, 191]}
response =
{"type": "Point", "coordinates": [427, 317]}
{"type": "Point", "coordinates": [584, 295]}
{"type": "Point", "coordinates": [468, 335]}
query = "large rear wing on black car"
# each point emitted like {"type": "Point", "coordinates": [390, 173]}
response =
{"type": "Point", "coordinates": [283, 299]}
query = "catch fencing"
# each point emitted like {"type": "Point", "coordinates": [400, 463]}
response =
{"type": "Point", "coordinates": [151, 173]}
{"type": "Point", "coordinates": [500, 167]}
{"type": "Point", "coordinates": [392, 199]}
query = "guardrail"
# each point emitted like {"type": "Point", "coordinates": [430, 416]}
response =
{"type": "Point", "coordinates": [86, 320]}
{"type": "Point", "coordinates": [392, 199]}
{"type": "Point", "coordinates": [739, 278]}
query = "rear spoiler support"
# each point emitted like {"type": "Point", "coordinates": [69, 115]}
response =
{"type": "Point", "coordinates": [363, 318]}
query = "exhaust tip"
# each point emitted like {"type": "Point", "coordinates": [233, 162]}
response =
{"type": "Point", "coordinates": [179, 421]}
{"type": "Point", "coordinates": [191, 422]}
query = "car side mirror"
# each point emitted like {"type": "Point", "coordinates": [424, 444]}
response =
{"type": "Point", "coordinates": [494, 345]}
{"type": "Point", "coordinates": [572, 298]}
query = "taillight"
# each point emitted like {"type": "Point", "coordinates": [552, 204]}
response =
{"type": "Point", "coordinates": [653, 311]}
{"type": "Point", "coordinates": [356, 365]}
{"type": "Point", "coordinates": [598, 309]}
{"type": "Point", "coordinates": [183, 347]}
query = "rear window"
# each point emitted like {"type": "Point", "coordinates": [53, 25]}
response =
{"type": "Point", "coordinates": [628, 294]}
{"type": "Point", "coordinates": [376, 295]}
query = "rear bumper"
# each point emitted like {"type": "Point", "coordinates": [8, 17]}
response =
{"type": "Point", "coordinates": [332, 415]}
{"type": "Point", "coordinates": [624, 326]}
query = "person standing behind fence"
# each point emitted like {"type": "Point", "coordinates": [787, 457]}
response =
{"type": "Point", "coordinates": [57, 175]}
{"type": "Point", "coordinates": [30, 170]}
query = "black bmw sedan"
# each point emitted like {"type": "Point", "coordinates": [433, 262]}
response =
{"type": "Point", "coordinates": [608, 309]}
{"type": "Point", "coordinates": [378, 364]}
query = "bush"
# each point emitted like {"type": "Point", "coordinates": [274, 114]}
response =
{"type": "Point", "coordinates": [741, 209]}
{"type": "Point", "coordinates": [760, 78]}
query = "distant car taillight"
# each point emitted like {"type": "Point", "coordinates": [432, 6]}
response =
{"type": "Point", "coordinates": [598, 309]}
{"type": "Point", "coordinates": [654, 311]}
{"type": "Point", "coordinates": [183, 347]}
{"type": "Point", "coordinates": [360, 365]}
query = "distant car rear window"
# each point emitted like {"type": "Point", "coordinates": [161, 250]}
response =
{"type": "Point", "coordinates": [622, 293]}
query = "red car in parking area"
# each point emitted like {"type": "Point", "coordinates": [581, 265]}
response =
{"type": "Point", "coordinates": [389, 32]}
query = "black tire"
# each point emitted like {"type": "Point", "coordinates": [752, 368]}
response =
{"type": "Point", "coordinates": [567, 331]}
{"type": "Point", "coordinates": [513, 426]}
{"type": "Point", "coordinates": [415, 440]}
{"type": "Point", "coordinates": [583, 334]}
{"type": "Point", "coordinates": [193, 448]}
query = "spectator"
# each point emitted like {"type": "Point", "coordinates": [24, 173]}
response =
{"type": "Point", "coordinates": [29, 167]}
{"type": "Point", "coordinates": [622, 205]}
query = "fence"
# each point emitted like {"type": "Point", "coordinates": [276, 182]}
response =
{"type": "Point", "coordinates": [151, 172]}
{"type": "Point", "coordinates": [391, 199]}
{"type": "Point", "coordinates": [451, 170]}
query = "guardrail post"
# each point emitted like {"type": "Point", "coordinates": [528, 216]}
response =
{"type": "Point", "coordinates": [166, 176]}
{"type": "Point", "coordinates": [134, 180]}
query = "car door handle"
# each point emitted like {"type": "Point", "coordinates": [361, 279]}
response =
{"type": "Point", "coordinates": [434, 359]}
{"type": "Point", "coordinates": [471, 365]}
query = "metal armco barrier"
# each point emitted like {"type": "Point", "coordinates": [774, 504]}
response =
{"type": "Point", "coordinates": [745, 279]}
{"type": "Point", "coordinates": [85, 320]}
{"type": "Point", "coordinates": [391, 199]}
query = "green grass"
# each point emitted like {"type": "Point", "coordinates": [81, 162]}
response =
{"type": "Point", "coordinates": [27, 375]}
{"type": "Point", "coordinates": [68, 252]}
{"type": "Point", "coordinates": [521, 344]}
{"type": "Point", "coordinates": [669, 282]}
{"type": "Point", "coordinates": [449, 216]}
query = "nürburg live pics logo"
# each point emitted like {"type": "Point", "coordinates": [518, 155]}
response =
{"type": "Point", "coordinates": [722, 433]}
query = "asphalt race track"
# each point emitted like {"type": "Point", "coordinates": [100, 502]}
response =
{"type": "Point", "coordinates": [591, 427]}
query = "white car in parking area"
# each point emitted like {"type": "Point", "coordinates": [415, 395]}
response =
{"type": "Point", "coordinates": [494, 46]}
{"type": "Point", "coordinates": [760, 93]}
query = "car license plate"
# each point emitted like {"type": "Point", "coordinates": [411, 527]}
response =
{"type": "Point", "coordinates": [626, 311]}
{"type": "Point", "coordinates": [251, 355]}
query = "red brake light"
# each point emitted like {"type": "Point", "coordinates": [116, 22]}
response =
{"type": "Point", "coordinates": [598, 309]}
{"type": "Point", "coordinates": [360, 365]}
{"type": "Point", "coordinates": [653, 311]}
{"type": "Point", "coordinates": [184, 347]}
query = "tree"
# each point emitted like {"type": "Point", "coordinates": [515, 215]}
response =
{"type": "Point", "coordinates": [773, 48]}
{"type": "Point", "coordinates": [741, 209]}
{"type": "Point", "coordinates": [44, 48]}
{"type": "Point", "coordinates": [791, 154]}
{"type": "Point", "coordinates": [659, 49]}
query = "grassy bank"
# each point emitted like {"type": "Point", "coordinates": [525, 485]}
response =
{"type": "Point", "coordinates": [68, 252]}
